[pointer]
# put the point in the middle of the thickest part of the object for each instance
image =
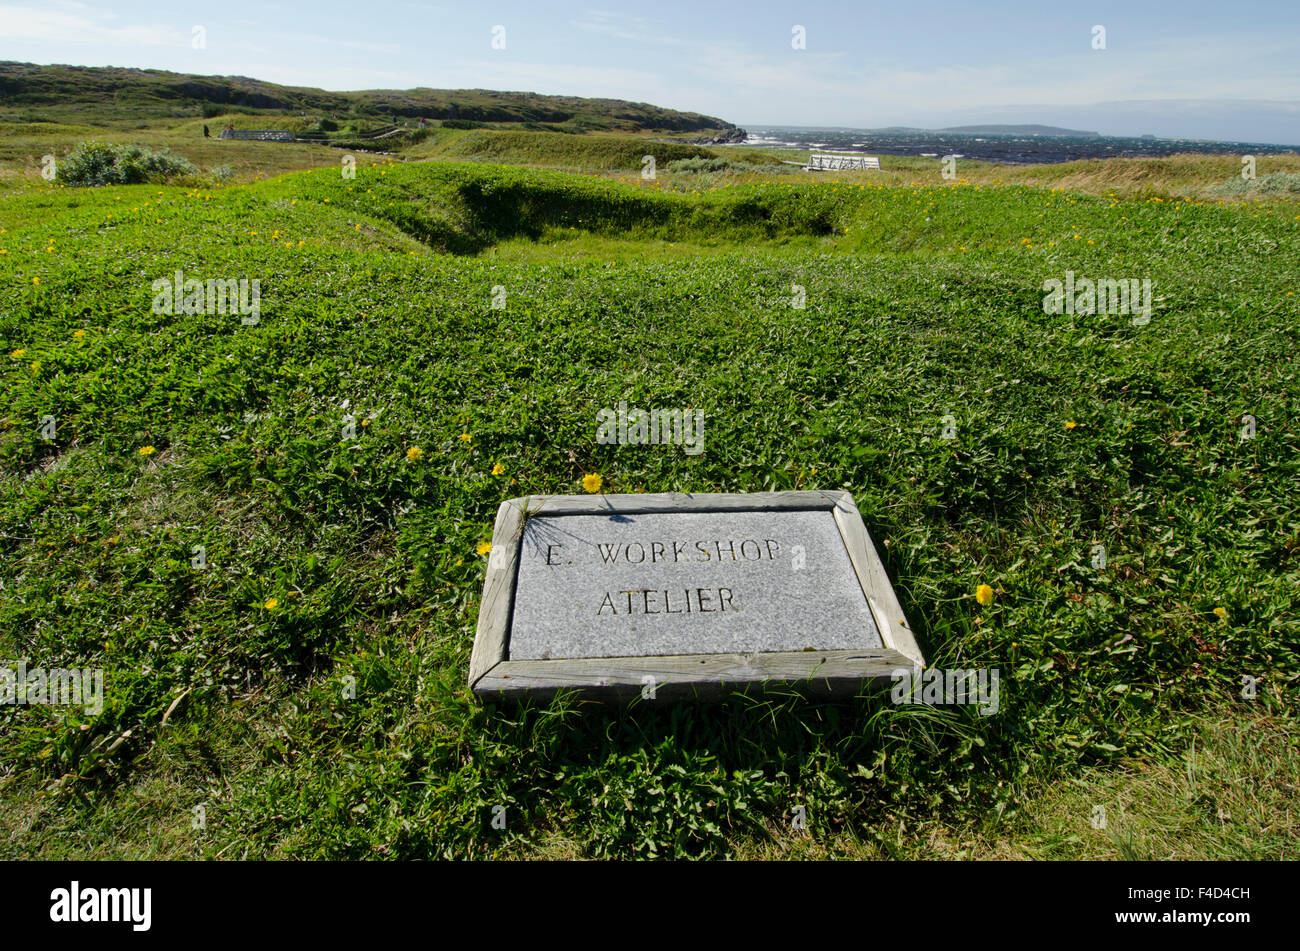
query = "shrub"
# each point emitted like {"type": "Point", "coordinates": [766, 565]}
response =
{"type": "Point", "coordinates": [1278, 183]}
{"type": "Point", "coordinates": [97, 163]}
{"type": "Point", "coordinates": [700, 165]}
{"type": "Point", "coordinates": [704, 166]}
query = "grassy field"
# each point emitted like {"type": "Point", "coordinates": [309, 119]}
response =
{"type": "Point", "coordinates": [1208, 178]}
{"type": "Point", "coordinates": [23, 146]}
{"type": "Point", "coordinates": [329, 557]}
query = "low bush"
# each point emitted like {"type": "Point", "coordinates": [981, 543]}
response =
{"type": "Point", "coordinates": [97, 163]}
{"type": "Point", "coordinates": [1278, 183]}
{"type": "Point", "coordinates": [706, 166]}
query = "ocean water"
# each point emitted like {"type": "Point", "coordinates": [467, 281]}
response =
{"type": "Point", "coordinates": [1008, 149]}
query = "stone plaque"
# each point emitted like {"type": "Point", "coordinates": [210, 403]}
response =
{"type": "Point", "coordinates": [684, 595]}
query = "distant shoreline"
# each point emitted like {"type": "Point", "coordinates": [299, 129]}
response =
{"type": "Point", "coordinates": [1034, 148]}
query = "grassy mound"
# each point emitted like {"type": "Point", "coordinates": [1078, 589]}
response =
{"type": "Point", "coordinates": [466, 208]}
{"type": "Point", "coordinates": [555, 150]}
{"type": "Point", "coordinates": [336, 558]}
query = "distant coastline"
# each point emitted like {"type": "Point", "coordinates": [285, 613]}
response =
{"type": "Point", "coordinates": [1009, 145]}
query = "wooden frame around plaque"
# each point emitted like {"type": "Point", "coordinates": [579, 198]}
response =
{"type": "Point", "coordinates": [492, 675]}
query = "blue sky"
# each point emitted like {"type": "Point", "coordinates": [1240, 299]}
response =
{"type": "Point", "coordinates": [1174, 68]}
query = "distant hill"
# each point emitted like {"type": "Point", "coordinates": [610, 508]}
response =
{"type": "Point", "coordinates": [1019, 130]}
{"type": "Point", "coordinates": [100, 95]}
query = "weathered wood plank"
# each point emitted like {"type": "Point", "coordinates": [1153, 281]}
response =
{"type": "Point", "coordinates": [894, 629]}
{"type": "Point", "coordinates": [692, 675]}
{"type": "Point", "coordinates": [492, 635]}
{"type": "Point", "coordinates": [669, 502]}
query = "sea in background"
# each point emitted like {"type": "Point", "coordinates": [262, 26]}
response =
{"type": "Point", "coordinates": [1009, 148]}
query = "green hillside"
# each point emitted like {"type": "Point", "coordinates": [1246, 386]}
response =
{"type": "Point", "coordinates": [104, 95]}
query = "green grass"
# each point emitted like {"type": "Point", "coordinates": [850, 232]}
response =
{"type": "Point", "coordinates": [23, 146]}
{"type": "Point", "coordinates": [619, 156]}
{"type": "Point", "coordinates": [376, 297]}
{"type": "Point", "coordinates": [1232, 793]}
{"type": "Point", "coordinates": [553, 150]}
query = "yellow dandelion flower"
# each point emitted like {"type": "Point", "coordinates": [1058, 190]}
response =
{"type": "Point", "coordinates": [1223, 615]}
{"type": "Point", "coordinates": [415, 454]}
{"type": "Point", "coordinates": [36, 280]}
{"type": "Point", "coordinates": [465, 437]}
{"type": "Point", "coordinates": [484, 548]}
{"type": "Point", "coordinates": [592, 482]}
{"type": "Point", "coordinates": [498, 469]}
{"type": "Point", "coordinates": [1071, 424]}
{"type": "Point", "coordinates": [147, 450]}
{"type": "Point", "coordinates": [18, 354]}
{"type": "Point", "coordinates": [271, 604]}
{"type": "Point", "coordinates": [984, 595]}
{"type": "Point", "coordinates": [78, 333]}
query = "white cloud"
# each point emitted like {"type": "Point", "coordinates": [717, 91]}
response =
{"type": "Point", "coordinates": [63, 22]}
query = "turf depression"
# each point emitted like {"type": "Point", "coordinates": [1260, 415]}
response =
{"type": "Point", "coordinates": [311, 675]}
